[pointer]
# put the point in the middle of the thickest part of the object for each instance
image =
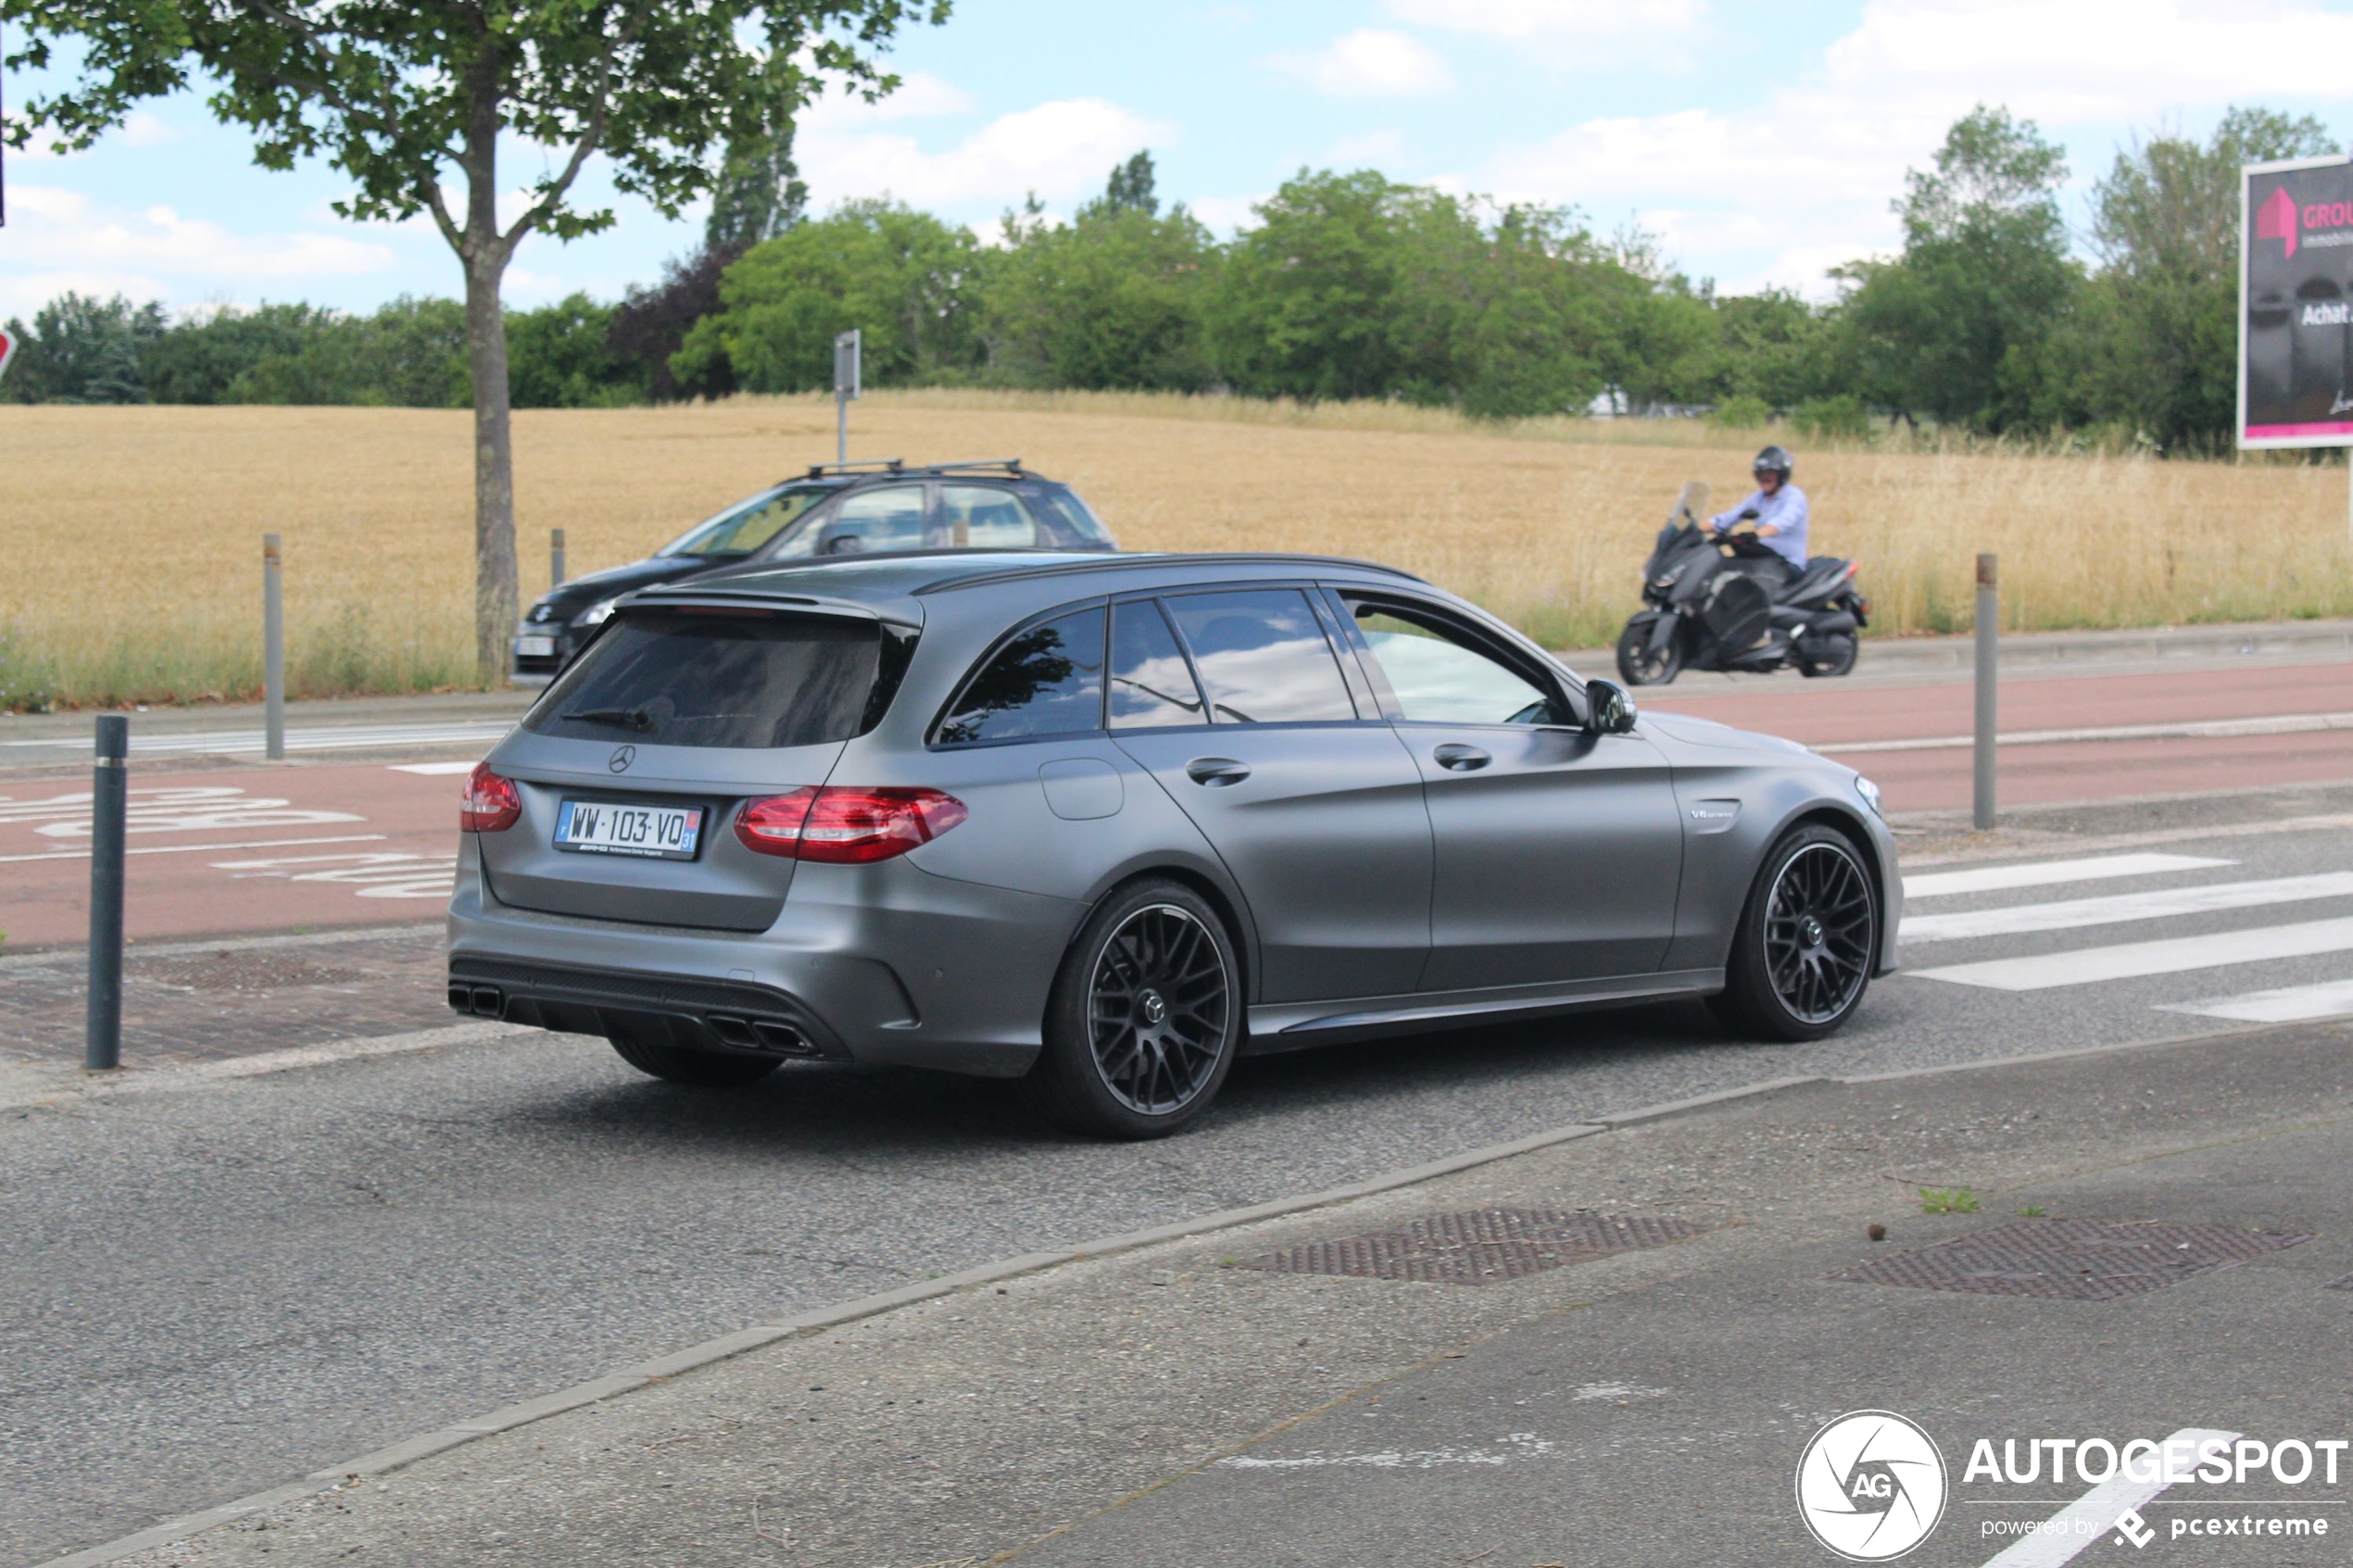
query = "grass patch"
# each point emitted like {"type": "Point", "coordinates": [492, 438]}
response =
{"type": "Point", "coordinates": [1947, 1200]}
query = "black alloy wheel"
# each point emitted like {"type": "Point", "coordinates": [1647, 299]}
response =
{"type": "Point", "coordinates": [1157, 1009]}
{"type": "Point", "coordinates": [1807, 941]}
{"type": "Point", "coordinates": [1145, 1019]}
{"type": "Point", "coordinates": [1640, 667]}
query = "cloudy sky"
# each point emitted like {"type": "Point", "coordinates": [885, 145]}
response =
{"type": "Point", "coordinates": [1762, 140]}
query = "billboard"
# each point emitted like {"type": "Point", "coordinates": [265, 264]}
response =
{"type": "Point", "coordinates": [2296, 303]}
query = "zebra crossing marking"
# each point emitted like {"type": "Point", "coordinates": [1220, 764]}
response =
{"type": "Point", "coordinates": [2288, 1004]}
{"type": "Point", "coordinates": [2047, 873]}
{"type": "Point", "coordinates": [2068, 914]}
{"type": "Point", "coordinates": [2129, 960]}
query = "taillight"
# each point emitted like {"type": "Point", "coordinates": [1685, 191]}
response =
{"type": "Point", "coordinates": [773, 826]}
{"type": "Point", "coordinates": [491, 803]}
{"type": "Point", "coordinates": [847, 827]}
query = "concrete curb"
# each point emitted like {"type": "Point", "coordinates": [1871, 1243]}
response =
{"type": "Point", "coordinates": [726, 1346]}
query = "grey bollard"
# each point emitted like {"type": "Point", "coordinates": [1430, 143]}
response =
{"type": "Point", "coordinates": [109, 793]}
{"type": "Point", "coordinates": [1989, 627]}
{"type": "Point", "coordinates": [273, 654]}
{"type": "Point", "coordinates": [555, 558]}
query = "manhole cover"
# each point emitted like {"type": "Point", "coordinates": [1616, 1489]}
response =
{"type": "Point", "coordinates": [2071, 1259]}
{"type": "Point", "coordinates": [1481, 1246]}
{"type": "Point", "coordinates": [239, 972]}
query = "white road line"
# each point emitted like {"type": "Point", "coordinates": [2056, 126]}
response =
{"type": "Point", "coordinates": [2131, 960]}
{"type": "Point", "coordinates": [433, 769]}
{"type": "Point", "coordinates": [2089, 1520]}
{"type": "Point", "coordinates": [192, 848]}
{"type": "Point", "coordinates": [2210, 729]}
{"type": "Point", "coordinates": [2047, 873]}
{"type": "Point", "coordinates": [2290, 1004]}
{"type": "Point", "coordinates": [2068, 914]}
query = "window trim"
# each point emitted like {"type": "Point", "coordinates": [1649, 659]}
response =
{"type": "Point", "coordinates": [1541, 674]}
{"type": "Point", "coordinates": [1101, 604]}
{"type": "Point", "coordinates": [1306, 590]}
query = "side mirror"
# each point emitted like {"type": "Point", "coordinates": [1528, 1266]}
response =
{"type": "Point", "coordinates": [1608, 711]}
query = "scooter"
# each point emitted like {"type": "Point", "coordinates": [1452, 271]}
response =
{"type": "Point", "coordinates": [1727, 602]}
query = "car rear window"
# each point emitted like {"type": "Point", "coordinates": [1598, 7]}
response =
{"type": "Point", "coordinates": [1068, 521]}
{"type": "Point", "coordinates": [1047, 681]}
{"type": "Point", "coordinates": [1262, 656]}
{"type": "Point", "coordinates": [725, 679]}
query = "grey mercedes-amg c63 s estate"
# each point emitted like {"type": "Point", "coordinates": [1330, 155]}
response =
{"type": "Point", "coordinates": [1104, 822]}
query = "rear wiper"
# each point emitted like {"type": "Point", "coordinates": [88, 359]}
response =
{"type": "Point", "coordinates": [626, 718]}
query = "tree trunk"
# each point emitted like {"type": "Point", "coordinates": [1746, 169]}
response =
{"type": "Point", "coordinates": [483, 252]}
{"type": "Point", "coordinates": [496, 599]}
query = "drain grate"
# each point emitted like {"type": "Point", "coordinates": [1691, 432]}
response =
{"type": "Point", "coordinates": [1481, 1246]}
{"type": "Point", "coordinates": [235, 970]}
{"type": "Point", "coordinates": [2071, 1259]}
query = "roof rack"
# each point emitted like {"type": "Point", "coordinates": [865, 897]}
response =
{"type": "Point", "coordinates": [1010, 466]}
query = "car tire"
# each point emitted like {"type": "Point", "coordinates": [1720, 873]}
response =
{"type": "Point", "coordinates": [704, 1069]}
{"type": "Point", "coordinates": [1637, 666]}
{"type": "Point", "coordinates": [1145, 1017]}
{"type": "Point", "coordinates": [1807, 940]}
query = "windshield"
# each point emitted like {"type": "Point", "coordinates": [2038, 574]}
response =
{"type": "Point", "coordinates": [746, 525]}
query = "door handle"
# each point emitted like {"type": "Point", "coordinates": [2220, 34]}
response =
{"type": "Point", "coordinates": [1217, 771]}
{"type": "Point", "coordinates": [1460, 757]}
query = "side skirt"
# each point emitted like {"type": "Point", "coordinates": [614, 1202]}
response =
{"type": "Point", "coordinates": [1289, 1026]}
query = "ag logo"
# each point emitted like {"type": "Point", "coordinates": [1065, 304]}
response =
{"type": "Point", "coordinates": [622, 757]}
{"type": "Point", "coordinates": [1871, 1486]}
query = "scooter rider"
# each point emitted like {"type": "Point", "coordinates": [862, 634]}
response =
{"type": "Point", "coordinates": [1777, 507]}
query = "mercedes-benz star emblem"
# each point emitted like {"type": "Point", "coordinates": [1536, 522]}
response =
{"type": "Point", "coordinates": [622, 757]}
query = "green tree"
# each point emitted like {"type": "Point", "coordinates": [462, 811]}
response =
{"type": "Point", "coordinates": [1963, 326]}
{"type": "Point", "coordinates": [760, 194]}
{"type": "Point", "coordinates": [81, 349]}
{"type": "Point", "coordinates": [1113, 299]}
{"type": "Point", "coordinates": [1304, 304]}
{"type": "Point", "coordinates": [2165, 223]}
{"type": "Point", "coordinates": [202, 357]}
{"type": "Point", "coordinates": [404, 97]}
{"type": "Point", "coordinates": [561, 359]}
{"type": "Point", "coordinates": [902, 277]}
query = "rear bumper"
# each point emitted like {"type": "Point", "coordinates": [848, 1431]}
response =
{"type": "Point", "coordinates": [878, 965]}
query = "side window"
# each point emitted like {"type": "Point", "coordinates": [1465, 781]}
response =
{"type": "Point", "coordinates": [1047, 681]}
{"type": "Point", "coordinates": [889, 517]}
{"type": "Point", "coordinates": [1262, 656]}
{"type": "Point", "coordinates": [1068, 522]}
{"type": "Point", "coordinates": [1439, 678]}
{"type": "Point", "coordinates": [1151, 686]}
{"type": "Point", "coordinates": [980, 517]}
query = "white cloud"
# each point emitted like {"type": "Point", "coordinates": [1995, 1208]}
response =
{"type": "Point", "coordinates": [921, 96]}
{"type": "Point", "coordinates": [1370, 63]}
{"type": "Point", "coordinates": [2094, 60]}
{"type": "Point", "coordinates": [1555, 19]}
{"type": "Point", "coordinates": [21, 293]}
{"type": "Point", "coordinates": [62, 228]}
{"type": "Point", "coordinates": [1806, 175]}
{"type": "Point", "coordinates": [1226, 215]}
{"type": "Point", "coordinates": [1062, 148]}
{"type": "Point", "coordinates": [144, 130]}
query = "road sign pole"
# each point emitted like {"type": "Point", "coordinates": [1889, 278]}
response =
{"type": "Point", "coordinates": [273, 655]}
{"type": "Point", "coordinates": [848, 367]}
{"type": "Point", "coordinates": [1989, 625]}
{"type": "Point", "coordinates": [109, 792]}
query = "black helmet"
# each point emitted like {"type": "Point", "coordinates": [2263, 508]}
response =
{"type": "Point", "coordinates": [1774, 459]}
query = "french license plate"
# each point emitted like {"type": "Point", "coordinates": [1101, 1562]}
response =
{"type": "Point", "coordinates": [605, 827]}
{"type": "Point", "coordinates": [534, 647]}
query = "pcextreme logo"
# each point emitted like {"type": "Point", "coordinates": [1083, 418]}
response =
{"type": "Point", "coordinates": [1871, 1486]}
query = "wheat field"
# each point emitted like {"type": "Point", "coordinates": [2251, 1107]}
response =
{"type": "Point", "coordinates": [132, 535]}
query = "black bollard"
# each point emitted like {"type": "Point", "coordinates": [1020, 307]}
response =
{"type": "Point", "coordinates": [109, 792]}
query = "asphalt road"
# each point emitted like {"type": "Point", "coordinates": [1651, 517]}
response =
{"type": "Point", "coordinates": [208, 1291]}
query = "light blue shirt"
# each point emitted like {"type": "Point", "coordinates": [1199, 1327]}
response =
{"type": "Point", "coordinates": [1785, 511]}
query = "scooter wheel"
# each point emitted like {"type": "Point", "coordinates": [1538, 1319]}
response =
{"type": "Point", "coordinates": [1839, 663]}
{"type": "Point", "coordinates": [1636, 666]}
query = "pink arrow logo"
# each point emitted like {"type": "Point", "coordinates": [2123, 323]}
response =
{"type": "Point", "coordinates": [2277, 220]}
